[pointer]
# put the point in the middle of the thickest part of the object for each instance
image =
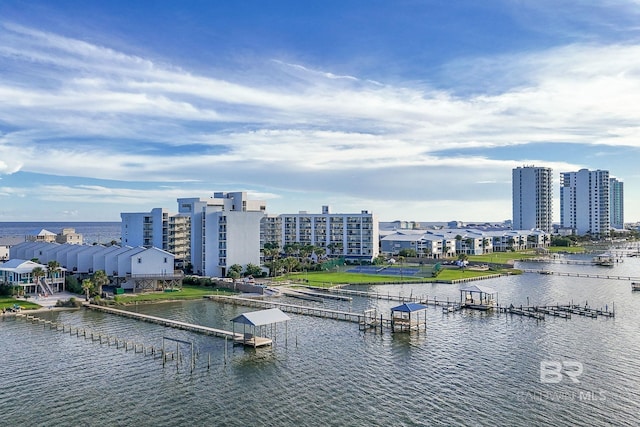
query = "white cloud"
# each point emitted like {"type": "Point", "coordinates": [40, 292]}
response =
{"type": "Point", "coordinates": [71, 108]}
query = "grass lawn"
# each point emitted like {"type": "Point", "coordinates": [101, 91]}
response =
{"type": "Point", "coordinates": [502, 257]}
{"type": "Point", "coordinates": [328, 279]}
{"type": "Point", "coordinates": [6, 302]}
{"type": "Point", "coordinates": [570, 249]}
{"type": "Point", "coordinates": [187, 293]}
{"type": "Point", "coordinates": [454, 274]}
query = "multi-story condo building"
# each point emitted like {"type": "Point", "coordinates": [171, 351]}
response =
{"type": "Point", "coordinates": [616, 203]}
{"type": "Point", "coordinates": [225, 230]}
{"type": "Point", "coordinates": [354, 236]}
{"type": "Point", "coordinates": [532, 198]}
{"type": "Point", "coordinates": [584, 201]}
{"type": "Point", "coordinates": [160, 229]}
{"type": "Point", "coordinates": [215, 233]}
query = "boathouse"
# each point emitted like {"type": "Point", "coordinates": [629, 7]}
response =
{"type": "Point", "coordinates": [478, 297]}
{"type": "Point", "coordinates": [406, 317]}
{"type": "Point", "coordinates": [257, 322]}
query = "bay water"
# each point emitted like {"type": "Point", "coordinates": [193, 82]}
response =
{"type": "Point", "coordinates": [469, 368]}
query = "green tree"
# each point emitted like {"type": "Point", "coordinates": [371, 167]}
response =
{"type": "Point", "coordinates": [235, 271]}
{"type": "Point", "coordinates": [271, 251]}
{"type": "Point", "coordinates": [235, 275]}
{"type": "Point", "coordinates": [379, 260]}
{"type": "Point", "coordinates": [237, 268]}
{"type": "Point", "coordinates": [253, 270]}
{"type": "Point", "coordinates": [306, 251]}
{"type": "Point", "coordinates": [87, 287]}
{"type": "Point", "coordinates": [52, 268]}
{"type": "Point", "coordinates": [37, 273]}
{"type": "Point", "coordinates": [100, 279]}
{"type": "Point", "coordinates": [290, 264]}
{"type": "Point", "coordinates": [72, 285]}
{"type": "Point", "coordinates": [407, 253]}
{"type": "Point", "coordinates": [320, 252]}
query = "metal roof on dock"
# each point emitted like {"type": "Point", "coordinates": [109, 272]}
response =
{"type": "Point", "coordinates": [262, 317]}
{"type": "Point", "coordinates": [408, 307]}
{"type": "Point", "coordinates": [476, 288]}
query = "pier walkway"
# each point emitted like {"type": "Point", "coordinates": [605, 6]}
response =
{"type": "Point", "coordinates": [167, 322]}
{"type": "Point", "coordinates": [585, 275]}
{"type": "Point", "coordinates": [289, 308]}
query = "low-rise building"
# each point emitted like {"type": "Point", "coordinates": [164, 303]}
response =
{"type": "Point", "coordinates": [448, 243]}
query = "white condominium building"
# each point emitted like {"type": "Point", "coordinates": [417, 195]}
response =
{"type": "Point", "coordinates": [354, 236]}
{"type": "Point", "coordinates": [225, 230]}
{"type": "Point", "coordinates": [584, 201]}
{"type": "Point", "coordinates": [616, 203]}
{"type": "Point", "coordinates": [159, 229]}
{"type": "Point", "coordinates": [532, 198]}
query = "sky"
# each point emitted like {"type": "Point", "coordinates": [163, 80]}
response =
{"type": "Point", "coordinates": [413, 110]}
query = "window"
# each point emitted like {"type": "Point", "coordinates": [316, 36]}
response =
{"type": "Point", "coordinates": [165, 260]}
{"type": "Point", "coordinates": [139, 260]}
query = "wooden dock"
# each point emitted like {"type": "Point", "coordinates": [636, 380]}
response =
{"type": "Point", "coordinates": [585, 275]}
{"type": "Point", "coordinates": [253, 341]}
{"type": "Point", "coordinates": [425, 300]}
{"type": "Point", "coordinates": [318, 294]}
{"type": "Point", "coordinates": [166, 322]}
{"type": "Point", "coordinates": [290, 308]}
{"type": "Point", "coordinates": [562, 311]}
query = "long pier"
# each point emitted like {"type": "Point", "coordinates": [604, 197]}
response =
{"type": "Point", "coordinates": [565, 261]}
{"type": "Point", "coordinates": [94, 336]}
{"type": "Point", "coordinates": [123, 343]}
{"type": "Point", "coordinates": [167, 322]}
{"type": "Point", "coordinates": [538, 312]}
{"type": "Point", "coordinates": [388, 296]}
{"type": "Point", "coordinates": [557, 261]}
{"type": "Point", "coordinates": [585, 275]}
{"type": "Point", "coordinates": [290, 308]}
{"type": "Point", "coordinates": [317, 294]}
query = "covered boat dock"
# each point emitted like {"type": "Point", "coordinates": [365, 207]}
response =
{"type": "Point", "coordinates": [406, 317]}
{"type": "Point", "coordinates": [257, 323]}
{"type": "Point", "coordinates": [478, 297]}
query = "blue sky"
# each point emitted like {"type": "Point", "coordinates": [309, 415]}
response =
{"type": "Point", "coordinates": [415, 110]}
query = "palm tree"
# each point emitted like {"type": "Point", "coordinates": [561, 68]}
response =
{"type": "Point", "coordinates": [100, 279]}
{"type": "Point", "coordinates": [37, 273]}
{"type": "Point", "coordinates": [290, 263]}
{"type": "Point", "coordinates": [306, 251]}
{"type": "Point", "coordinates": [87, 287]}
{"type": "Point", "coordinates": [52, 268]}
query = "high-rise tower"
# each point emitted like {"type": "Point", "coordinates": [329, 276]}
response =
{"type": "Point", "coordinates": [616, 203]}
{"type": "Point", "coordinates": [532, 198]}
{"type": "Point", "coordinates": [584, 201]}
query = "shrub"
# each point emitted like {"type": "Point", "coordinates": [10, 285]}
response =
{"type": "Point", "coordinates": [72, 285]}
{"type": "Point", "coordinates": [72, 302]}
{"type": "Point", "coordinates": [6, 290]}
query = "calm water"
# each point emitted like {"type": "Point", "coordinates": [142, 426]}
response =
{"type": "Point", "coordinates": [469, 368]}
{"type": "Point", "coordinates": [92, 232]}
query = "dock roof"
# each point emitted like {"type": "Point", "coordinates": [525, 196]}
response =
{"type": "Point", "coordinates": [476, 288]}
{"type": "Point", "coordinates": [262, 317]}
{"type": "Point", "coordinates": [408, 307]}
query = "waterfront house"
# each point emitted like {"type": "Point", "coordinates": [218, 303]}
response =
{"type": "Point", "coordinates": [19, 272]}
